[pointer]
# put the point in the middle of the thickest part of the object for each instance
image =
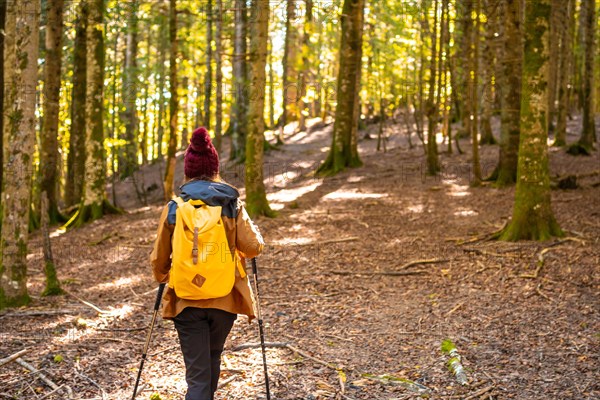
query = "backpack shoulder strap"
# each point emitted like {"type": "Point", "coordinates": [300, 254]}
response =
{"type": "Point", "coordinates": [178, 200]}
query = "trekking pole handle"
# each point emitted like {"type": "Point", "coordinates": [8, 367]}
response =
{"type": "Point", "coordinates": [161, 289]}
{"type": "Point", "coordinates": [254, 268]}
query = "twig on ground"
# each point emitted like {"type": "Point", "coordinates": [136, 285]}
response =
{"type": "Point", "coordinates": [384, 273]}
{"type": "Point", "coordinates": [93, 382]}
{"type": "Point", "coordinates": [459, 305]}
{"type": "Point", "coordinates": [417, 262]}
{"type": "Point", "coordinates": [538, 290]}
{"type": "Point", "coordinates": [38, 313]}
{"type": "Point", "coordinates": [480, 392]}
{"type": "Point", "coordinates": [258, 345]}
{"type": "Point", "coordinates": [13, 357]}
{"type": "Point", "coordinates": [305, 355]}
{"type": "Point", "coordinates": [51, 393]}
{"type": "Point", "coordinates": [87, 303]}
{"type": "Point", "coordinates": [37, 372]}
{"type": "Point", "coordinates": [228, 381]}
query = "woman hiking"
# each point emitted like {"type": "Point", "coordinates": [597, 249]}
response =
{"type": "Point", "coordinates": [204, 306]}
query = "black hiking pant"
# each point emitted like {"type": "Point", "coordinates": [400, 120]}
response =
{"type": "Point", "coordinates": [202, 334]}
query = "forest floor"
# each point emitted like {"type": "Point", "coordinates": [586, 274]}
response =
{"type": "Point", "coordinates": [524, 316]}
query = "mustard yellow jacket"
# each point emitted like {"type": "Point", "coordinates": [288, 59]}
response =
{"type": "Point", "coordinates": [242, 235]}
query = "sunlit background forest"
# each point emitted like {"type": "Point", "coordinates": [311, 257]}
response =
{"type": "Point", "coordinates": [458, 136]}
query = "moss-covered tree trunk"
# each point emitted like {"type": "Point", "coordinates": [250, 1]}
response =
{"type": "Point", "coordinates": [343, 152]}
{"type": "Point", "coordinates": [94, 204]}
{"type": "Point", "coordinates": [564, 18]}
{"type": "Point", "coordinates": [208, 73]}
{"type": "Point", "coordinates": [240, 104]}
{"type": "Point", "coordinates": [129, 94]}
{"type": "Point", "coordinates": [510, 83]}
{"type": "Point", "coordinates": [52, 282]}
{"type": "Point", "coordinates": [219, 76]}
{"type": "Point", "coordinates": [173, 102]}
{"type": "Point", "coordinates": [49, 157]}
{"type": "Point", "coordinates": [464, 12]}
{"type": "Point", "coordinates": [256, 198]}
{"type": "Point", "coordinates": [553, 60]}
{"type": "Point", "coordinates": [474, 98]}
{"type": "Point", "coordinates": [432, 106]}
{"type": "Point", "coordinates": [533, 218]}
{"type": "Point", "coordinates": [20, 62]}
{"type": "Point", "coordinates": [76, 156]}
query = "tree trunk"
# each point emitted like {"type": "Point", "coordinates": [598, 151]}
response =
{"type": "Point", "coordinates": [588, 135]}
{"type": "Point", "coordinates": [343, 152]}
{"type": "Point", "coordinates": [487, 136]}
{"type": "Point", "coordinates": [21, 43]}
{"type": "Point", "coordinates": [173, 103]}
{"type": "Point", "coordinates": [219, 77]}
{"type": "Point", "coordinates": [271, 86]}
{"type": "Point", "coordinates": [163, 43]}
{"type": "Point", "coordinates": [240, 72]}
{"type": "Point", "coordinates": [511, 81]}
{"type": "Point", "coordinates": [94, 204]}
{"type": "Point", "coordinates": [2, 26]}
{"type": "Point", "coordinates": [208, 74]}
{"type": "Point", "coordinates": [49, 156]}
{"type": "Point", "coordinates": [256, 198]}
{"type": "Point", "coordinates": [76, 157]}
{"type": "Point", "coordinates": [533, 218]}
{"type": "Point", "coordinates": [556, 8]}
{"type": "Point", "coordinates": [564, 19]}
{"type": "Point", "coordinates": [305, 71]}
{"type": "Point", "coordinates": [432, 107]}
{"type": "Point", "coordinates": [465, 9]}
{"type": "Point", "coordinates": [474, 98]}
{"type": "Point", "coordinates": [129, 94]}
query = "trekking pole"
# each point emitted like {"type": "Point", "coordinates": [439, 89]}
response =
{"type": "Point", "coordinates": [161, 289]}
{"type": "Point", "coordinates": [260, 327]}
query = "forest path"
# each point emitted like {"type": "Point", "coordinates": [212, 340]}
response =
{"type": "Point", "coordinates": [529, 338]}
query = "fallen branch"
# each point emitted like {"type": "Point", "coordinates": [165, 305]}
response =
{"type": "Point", "coordinates": [13, 357]}
{"type": "Point", "coordinates": [321, 242]}
{"type": "Point", "coordinates": [480, 392]}
{"type": "Point", "coordinates": [418, 262]}
{"type": "Point", "coordinates": [93, 382]}
{"type": "Point", "coordinates": [37, 372]}
{"type": "Point", "coordinates": [454, 363]}
{"type": "Point", "coordinates": [87, 303]}
{"type": "Point", "coordinates": [385, 273]}
{"type": "Point", "coordinates": [258, 345]}
{"type": "Point", "coordinates": [317, 360]}
{"type": "Point", "coordinates": [52, 392]}
{"type": "Point", "coordinates": [228, 381]}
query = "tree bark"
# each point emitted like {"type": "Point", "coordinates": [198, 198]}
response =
{"type": "Point", "coordinates": [2, 26]}
{"type": "Point", "coordinates": [129, 94]}
{"type": "Point", "coordinates": [588, 135]}
{"type": "Point", "coordinates": [49, 156]}
{"type": "Point", "coordinates": [256, 198]}
{"type": "Point", "coordinates": [343, 152]}
{"type": "Point", "coordinates": [510, 81]}
{"type": "Point", "coordinates": [305, 71]}
{"type": "Point", "coordinates": [553, 60]}
{"type": "Point", "coordinates": [432, 107]}
{"type": "Point", "coordinates": [564, 19]}
{"type": "Point", "coordinates": [488, 89]}
{"type": "Point", "coordinates": [76, 157]}
{"type": "Point", "coordinates": [465, 9]}
{"type": "Point", "coordinates": [290, 90]}
{"type": "Point", "coordinates": [163, 46]}
{"type": "Point", "coordinates": [474, 98]}
{"type": "Point", "coordinates": [219, 76]}
{"type": "Point", "coordinates": [208, 74]}
{"type": "Point", "coordinates": [240, 75]}
{"type": "Point", "coordinates": [173, 103]}
{"type": "Point", "coordinates": [533, 218]}
{"type": "Point", "coordinates": [21, 45]}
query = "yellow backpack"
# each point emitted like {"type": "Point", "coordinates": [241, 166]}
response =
{"type": "Point", "coordinates": [203, 265]}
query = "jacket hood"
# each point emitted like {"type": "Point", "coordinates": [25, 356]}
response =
{"type": "Point", "coordinates": [211, 193]}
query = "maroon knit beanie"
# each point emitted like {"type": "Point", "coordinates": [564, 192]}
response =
{"type": "Point", "coordinates": [201, 159]}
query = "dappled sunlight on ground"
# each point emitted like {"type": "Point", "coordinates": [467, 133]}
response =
{"type": "Point", "coordinates": [352, 194]}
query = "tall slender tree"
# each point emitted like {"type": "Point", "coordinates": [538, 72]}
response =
{"type": "Point", "coordinates": [2, 26]}
{"type": "Point", "coordinates": [173, 102]}
{"type": "Point", "coordinates": [533, 218]}
{"type": "Point", "coordinates": [209, 56]}
{"type": "Point", "coordinates": [49, 156]}
{"type": "Point", "coordinates": [343, 152]}
{"type": "Point", "coordinates": [564, 19]}
{"type": "Point", "coordinates": [76, 156]}
{"type": "Point", "coordinates": [290, 68]}
{"type": "Point", "coordinates": [432, 107]}
{"type": "Point", "coordinates": [585, 145]}
{"type": "Point", "coordinates": [128, 159]}
{"type": "Point", "coordinates": [21, 44]}
{"type": "Point", "coordinates": [219, 75]}
{"type": "Point", "coordinates": [473, 93]}
{"type": "Point", "coordinates": [256, 198]}
{"type": "Point", "coordinates": [239, 108]}
{"type": "Point", "coordinates": [305, 71]}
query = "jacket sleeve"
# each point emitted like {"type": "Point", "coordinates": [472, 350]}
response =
{"type": "Point", "coordinates": [248, 240]}
{"type": "Point", "coordinates": [160, 258]}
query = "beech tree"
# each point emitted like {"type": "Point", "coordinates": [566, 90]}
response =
{"type": "Point", "coordinates": [173, 103]}
{"type": "Point", "coordinates": [21, 44]}
{"type": "Point", "coordinates": [240, 101]}
{"type": "Point", "coordinates": [343, 152]}
{"type": "Point", "coordinates": [533, 218]}
{"type": "Point", "coordinates": [256, 198]}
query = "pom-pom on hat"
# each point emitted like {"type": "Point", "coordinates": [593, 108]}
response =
{"type": "Point", "coordinates": [201, 159]}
